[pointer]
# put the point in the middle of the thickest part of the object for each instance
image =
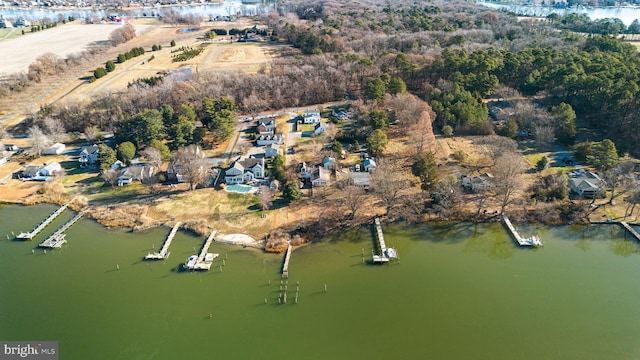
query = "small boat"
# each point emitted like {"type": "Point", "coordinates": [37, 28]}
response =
{"type": "Point", "coordinates": [392, 253]}
{"type": "Point", "coordinates": [191, 262]}
{"type": "Point", "coordinates": [533, 241]}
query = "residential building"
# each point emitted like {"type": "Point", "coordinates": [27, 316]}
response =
{"type": "Point", "coordinates": [585, 183]}
{"type": "Point", "coordinates": [89, 156]}
{"type": "Point", "coordinates": [369, 164]}
{"type": "Point", "coordinates": [271, 151]}
{"type": "Point", "coordinates": [329, 163]}
{"type": "Point", "coordinates": [477, 183]}
{"type": "Point", "coordinates": [319, 129]}
{"type": "Point", "coordinates": [136, 173]}
{"type": "Point", "coordinates": [340, 114]}
{"type": "Point", "coordinates": [320, 176]}
{"type": "Point", "coordinates": [266, 126]}
{"type": "Point", "coordinates": [312, 117]}
{"type": "Point", "coordinates": [55, 149]}
{"type": "Point", "coordinates": [245, 171]}
{"type": "Point", "coordinates": [263, 140]}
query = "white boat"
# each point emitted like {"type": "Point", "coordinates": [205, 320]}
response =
{"type": "Point", "coordinates": [191, 262]}
{"type": "Point", "coordinates": [392, 253]}
{"type": "Point", "coordinates": [533, 241]}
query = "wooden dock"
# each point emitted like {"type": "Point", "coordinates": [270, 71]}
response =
{"type": "Point", "coordinates": [631, 230]}
{"type": "Point", "coordinates": [30, 235]}
{"type": "Point", "coordinates": [386, 254]}
{"type": "Point", "coordinates": [204, 259]}
{"type": "Point", "coordinates": [58, 238]}
{"type": "Point", "coordinates": [287, 257]}
{"type": "Point", "coordinates": [532, 241]}
{"type": "Point", "coordinates": [164, 251]}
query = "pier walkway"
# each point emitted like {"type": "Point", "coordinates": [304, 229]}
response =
{"type": "Point", "coordinates": [58, 238]}
{"type": "Point", "coordinates": [164, 251]}
{"type": "Point", "coordinates": [30, 235]}
{"type": "Point", "coordinates": [386, 254]}
{"type": "Point", "coordinates": [285, 267]}
{"type": "Point", "coordinates": [532, 241]}
{"type": "Point", "coordinates": [631, 230]}
{"type": "Point", "coordinates": [204, 260]}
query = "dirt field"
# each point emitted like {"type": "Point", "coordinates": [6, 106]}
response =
{"type": "Point", "coordinates": [62, 40]}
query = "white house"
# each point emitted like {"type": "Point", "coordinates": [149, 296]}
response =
{"type": "Point", "coordinates": [369, 164]}
{"type": "Point", "coordinates": [269, 139]}
{"type": "Point", "coordinates": [136, 172]}
{"type": "Point", "coordinates": [312, 117]}
{"type": "Point", "coordinates": [266, 126]}
{"type": "Point", "coordinates": [329, 163]}
{"type": "Point", "coordinates": [88, 155]}
{"type": "Point", "coordinates": [50, 169]}
{"type": "Point", "coordinates": [319, 129]}
{"type": "Point", "coordinates": [245, 171]}
{"type": "Point", "coordinates": [320, 176]}
{"type": "Point", "coordinates": [55, 149]}
{"type": "Point", "coordinates": [305, 171]}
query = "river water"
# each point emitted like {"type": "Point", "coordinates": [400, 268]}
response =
{"type": "Point", "coordinates": [460, 291]}
{"type": "Point", "coordinates": [626, 14]}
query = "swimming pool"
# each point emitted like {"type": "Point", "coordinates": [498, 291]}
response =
{"type": "Point", "coordinates": [238, 188]}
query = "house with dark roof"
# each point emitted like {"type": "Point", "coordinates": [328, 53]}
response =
{"type": "Point", "coordinates": [266, 126]}
{"type": "Point", "coordinates": [89, 156]}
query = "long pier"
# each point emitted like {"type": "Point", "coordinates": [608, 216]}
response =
{"type": "Point", "coordinates": [630, 230]}
{"type": "Point", "coordinates": [30, 235]}
{"type": "Point", "coordinates": [287, 257]}
{"type": "Point", "coordinates": [386, 254]}
{"type": "Point", "coordinates": [164, 251]}
{"type": "Point", "coordinates": [532, 241]}
{"type": "Point", "coordinates": [58, 238]}
{"type": "Point", "coordinates": [204, 260]}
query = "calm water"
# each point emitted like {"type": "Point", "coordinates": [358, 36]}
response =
{"type": "Point", "coordinates": [460, 291]}
{"type": "Point", "coordinates": [626, 15]}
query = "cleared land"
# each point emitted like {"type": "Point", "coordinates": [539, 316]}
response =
{"type": "Point", "coordinates": [63, 40]}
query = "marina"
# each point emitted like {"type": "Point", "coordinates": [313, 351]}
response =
{"type": "Point", "coordinates": [533, 241]}
{"type": "Point", "coordinates": [386, 254]}
{"type": "Point", "coordinates": [57, 239]}
{"type": "Point", "coordinates": [30, 235]}
{"type": "Point", "coordinates": [204, 260]}
{"type": "Point", "coordinates": [164, 251]}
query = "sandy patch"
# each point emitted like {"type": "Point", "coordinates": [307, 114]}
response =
{"type": "Point", "coordinates": [239, 239]}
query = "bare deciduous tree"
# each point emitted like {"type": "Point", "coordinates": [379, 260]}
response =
{"type": "Point", "coordinates": [153, 156]}
{"type": "Point", "coordinates": [110, 177]}
{"type": "Point", "coordinates": [91, 133]}
{"type": "Point", "coordinates": [55, 129]}
{"type": "Point", "coordinates": [387, 181]}
{"type": "Point", "coordinates": [39, 141]}
{"type": "Point", "coordinates": [190, 160]}
{"type": "Point", "coordinates": [354, 198]}
{"type": "Point", "coordinates": [266, 198]}
{"type": "Point", "coordinates": [507, 170]}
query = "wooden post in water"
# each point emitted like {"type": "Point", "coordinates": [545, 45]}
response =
{"type": "Point", "coordinates": [223, 263]}
{"type": "Point", "coordinates": [325, 287]}
{"type": "Point", "coordinates": [117, 267]}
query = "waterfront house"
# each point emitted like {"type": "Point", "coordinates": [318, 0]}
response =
{"type": "Point", "coordinates": [585, 183]}
{"type": "Point", "coordinates": [245, 171]}
{"type": "Point", "coordinates": [140, 173]}
{"type": "Point", "coordinates": [477, 183]}
{"type": "Point", "coordinates": [89, 156]}
{"type": "Point", "coordinates": [55, 149]}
